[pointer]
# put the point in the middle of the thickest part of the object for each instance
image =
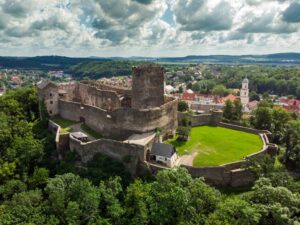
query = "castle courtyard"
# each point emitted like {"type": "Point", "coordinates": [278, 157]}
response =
{"type": "Point", "coordinates": [213, 146]}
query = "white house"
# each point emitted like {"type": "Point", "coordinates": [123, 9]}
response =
{"type": "Point", "coordinates": [163, 153]}
{"type": "Point", "coordinates": [169, 89]}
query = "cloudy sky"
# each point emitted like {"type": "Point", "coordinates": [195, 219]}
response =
{"type": "Point", "coordinates": [148, 27]}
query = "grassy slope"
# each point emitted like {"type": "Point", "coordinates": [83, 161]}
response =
{"type": "Point", "coordinates": [90, 132]}
{"type": "Point", "coordinates": [63, 123]}
{"type": "Point", "coordinates": [217, 145]}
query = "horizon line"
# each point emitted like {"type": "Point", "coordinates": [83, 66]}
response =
{"type": "Point", "coordinates": [153, 57]}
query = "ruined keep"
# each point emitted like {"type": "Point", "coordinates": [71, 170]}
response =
{"type": "Point", "coordinates": [147, 86]}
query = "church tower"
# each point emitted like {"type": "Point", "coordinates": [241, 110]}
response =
{"type": "Point", "coordinates": [244, 93]}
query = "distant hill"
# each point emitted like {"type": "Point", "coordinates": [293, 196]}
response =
{"type": "Point", "coordinates": [272, 59]}
{"type": "Point", "coordinates": [100, 66]}
{"type": "Point", "coordinates": [287, 59]}
{"type": "Point", "coordinates": [95, 70]}
{"type": "Point", "coordinates": [44, 62]}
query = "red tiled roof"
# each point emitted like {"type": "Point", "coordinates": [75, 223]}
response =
{"type": "Point", "coordinates": [230, 97]}
{"type": "Point", "coordinates": [188, 96]}
{"type": "Point", "coordinates": [292, 108]}
{"type": "Point", "coordinates": [290, 101]}
{"type": "Point", "coordinates": [252, 104]}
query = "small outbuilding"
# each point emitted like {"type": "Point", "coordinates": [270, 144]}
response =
{"type": "Point", "coordinates": [80, 136]}
{"type": "Point", "coordinates": [163, 153]}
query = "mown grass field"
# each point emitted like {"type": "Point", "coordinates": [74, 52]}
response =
{"type": "Point", "coordinates": [218, 145]}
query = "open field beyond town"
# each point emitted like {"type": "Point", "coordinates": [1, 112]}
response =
{"type": "Point", "coordinates": [216, 145]}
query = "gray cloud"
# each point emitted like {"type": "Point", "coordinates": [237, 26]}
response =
{"type": "Point", "coordinates": [258, 2]}
{"type": "Point", "coordinates": [195, 16]}
{"type": "Point", "coordinates": [3, 21]}
{"type": "Point", "coordinates": [119, 20]}
{"type": "Point", "coordinates": [292, 13]}
{"type": "Point", "coordinates": [93, 26]}
{"type": "Point", "coordinates": [19, 32]}
{"type": "Point", "coordinates": [267, 24]}
{"type": "Point", "coordinates": [17, 8]}
{"type": "Point", "coordinates": [146, 2]}
{"type": "Point", "coordinates": [53, 22]}
{"type": "Point", "coordinates": [233, 36]}
{"type": "Point", "coordinates": [198, 35]}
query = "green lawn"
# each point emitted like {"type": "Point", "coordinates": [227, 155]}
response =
{"type": "Point", "coordinates": [63, 123]}
{"type": "Point", "coordinates": [90, 132]}
{"type": "Point", "coordinates": [218, 145]}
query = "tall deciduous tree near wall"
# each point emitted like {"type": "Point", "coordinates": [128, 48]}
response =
{"type": "Point", "coordinates": [280, 119]}
{"type": "Point", "coordinates": [293, 143]}
{"type": "Point", "coordinates": [227, 112]}
{"type": "Point", "coordinates": [238, 110]}
{"type": "Point", "coordinates": [182, 106]}
{"type": "Point", "coordinates": [262, 118]}
{"type": "Point", "coordinates": [233, 111]}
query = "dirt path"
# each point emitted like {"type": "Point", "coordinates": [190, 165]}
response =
{"type": "Point", "coordinates": [187, 159]}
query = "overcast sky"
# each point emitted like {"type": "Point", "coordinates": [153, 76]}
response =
{"type": "Point", "coordinates": [148, 27]}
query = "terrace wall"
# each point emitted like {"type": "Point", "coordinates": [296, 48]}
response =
{"type": "Point", "coordinates": [61, 140]}
{"type": "Point", "coordinates": [131, 155]}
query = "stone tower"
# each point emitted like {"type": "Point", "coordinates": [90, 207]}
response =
{"type": "Point", "coordinates": [244, 94]}
{"type": "Point", "coordinates": [147, 86]}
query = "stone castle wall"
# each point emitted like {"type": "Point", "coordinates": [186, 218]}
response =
{"type": "Point", "coordinates": [119, 90]}
{"type": "Point", "coordinates": [123, 122]}
{"type": "Point", "coordinates": [104, 99]}
{"type": "Point", "coordinates": [90, 95]}
{"type": "Point", "coordinates": [220, 176]}
{"type": "Point", "coordinates": [131, 155]}
{"type": "Point", "coordinates": [213, 118]}
{"type": "Point", "coordinates": [61, 140]}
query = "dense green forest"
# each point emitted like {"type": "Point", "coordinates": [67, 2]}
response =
{"type": "Point", "coordinates": [96, 70]}
{"type": "Point", "coordinates": [36, 188]}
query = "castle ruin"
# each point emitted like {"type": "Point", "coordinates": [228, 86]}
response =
{"type": "Point", "coordinates": [128, 119]}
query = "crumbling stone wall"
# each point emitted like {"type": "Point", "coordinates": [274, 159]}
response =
{"type": "Point", "coordinates": [147, 86]}
{"type": "Point", "coordinates": [123, 122]}
{"type": "Point", "coordinates": [131, 155]}
{"type": "Point", "coordinates": [104, 99]}
{"type": "Point", "coordinates": [68, 91]}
